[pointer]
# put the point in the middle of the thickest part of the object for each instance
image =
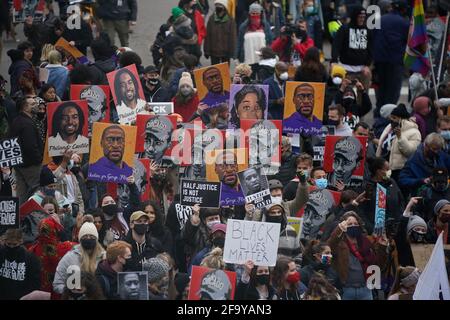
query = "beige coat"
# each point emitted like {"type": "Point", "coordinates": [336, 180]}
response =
{"type": "Point", "coordinates": [404, 147]}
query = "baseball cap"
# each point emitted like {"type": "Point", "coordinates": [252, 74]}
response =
{"type": "Point", "coordinates": [275, 184]}
{"type": "Point", "coordinates": [151, 69]}
{"type": "Point", "coordinates": [137, 215]}
{"type": "Point", "coordinates": [219, 227]}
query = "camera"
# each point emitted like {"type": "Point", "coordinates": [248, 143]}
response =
{"type": "Point", "coordinates": [291, 29]}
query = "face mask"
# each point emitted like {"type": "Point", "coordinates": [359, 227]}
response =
{"type": "Point", "coordinates": [40, 115]}
{"type": "Point", "coordinates": [293, 278]}
{"type": "Point", "coordinates": [140, 229]}
{"type": "Point", "coordinates": [75, 170]}
{"type": "Point", "coordinates": [153, 82]}
{"type": "Point", "coordinates": [263, 279]}
{"type": "Point", "coordinates": [337, 81]}
{"type": "Point", "coordinates": [388, 175]}
{"type": "Point", "coordinates": [255, 20]}
{"type": "Point", "coordinates": [88, 244]}
{"type": "Point", "coordinates": [110, 209]}
{"type": "Point", "coordinates": [306, 172]}
{"type": "Point", "coordinates": [326, 259]}
{"type": "Point", "coordinates": [12, 251]}
{"type": "Point", "coordinates": [354, 231]}
{"type": "Point", "coordinates": [274, 219]}
{"type": "Point", "coordinates": [284, 76]}
{"type": "Point", "coordinates": [333, 122]}
{"type": "Point", "coordinates": [309, 10]}
{"type": "Point", "coordinates": [218, 242]}
{"type": "Point", "coordinates": [417, 237]}
{"type": "Point", "coordinates": [348, 100]}
{"type": "Point", "coordinates": [211, 224]}
{"type": "Point", "coordinates": [219, 11]}
{"type": "Point", "coordinates": [322, 183]}
{"type": "Point", "coordinates": [445, 218]}
{"type": "Point", "coordinates": [445, 134]}
{"type": "Point", "coordinates": [440, 186]}
{"type": "Point", "coordinates": [161, 177]}
{"type": "Point", "coordinates": [128, 265]}
{"type": "Point", "coordinates": [278, 199]}
{"type": "Point", "coordinates": [185, 91]}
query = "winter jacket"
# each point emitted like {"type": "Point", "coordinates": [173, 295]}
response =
{"type": "Point", "coordinates": [418, 168]}
{"type": "Point", "coordinates": [198, 24]}
{"type": "Point", "coordinates": [29, 140]}
{"type": "Point", "coordinates": [356, 110]}
{"type": "Point", "coordinates": [195, 238]}
{"type": "Point", "coordinates": [99, 69]}
{"type": "Point", "coordinates": [275, 93]}
{"type": "Point", "coordinates": [247, 291]}
{"type": "Point", "coordinates": [139, 252]}
{"type": "Point", "coordinates": [18, 66]}
{"type": "Point", "coordinates": [308, 271]}
{"type": "Point", "coordinates": [243, 28]}
{"type": "Point", "coordinates": [291, 207]}
{"type": "Point", "coordinates": [57, 76]}
{"type": "Point", "coordinates": [220, 38]}
{"type": "Point", "coordinates": [389, 42]}
{"type": "Point", "coordinates": [40, 33]}
{"type": "Point", "coordinates": [186, 110]}
{"type": "Point", "coordinates": [19, 273]}
{"type": "Point", "coordinates": [107, 278]}
{"type": "Point", "coordinates": [82, 37]}
{"type": "Point", "coordinates": [430, 196]}
{"type": "Point", "coordinates": [403, 148]}
{"type": "Point", "coordinates": [159, 94]}
{"type": "Point", "coordinates": [60, 175]}
{"type": "Point", "coordinates": [280, 43]}
{"type": "Point", "coordinates": [110, 10]}
{"type": "Point", "coordinates": [276, 18]}
{"type": "Point", "coordinates": [307, 75]}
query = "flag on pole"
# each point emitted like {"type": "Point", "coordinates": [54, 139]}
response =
{"type": "Point", "coordinates": [416, 56]}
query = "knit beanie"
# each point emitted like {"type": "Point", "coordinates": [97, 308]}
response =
{"type": "Point", "coordinates": [46, 177]}
{"type": "Point", "coordinates": [400, 111]}
{"type": "Point", "coordinates": [186, 79]}
{"type": "Point", "coordinates": [255, 8]}
{"type": "Point", "coordinates": [182, 21]}
{"type": "Point", "coordinates": [415, 221]}
{"type": "Point", "coordinates": [88, 228]}
{"type": "Point", "coordinates": [386, 110]}
{"type": "Point", "coordinates": [222, 2]}
{"type": "Point", "coordinates": [421, 105]}
{"type": "Point", "coordinates": [338, 71]}
{"type": "Point", "coordinates": [176, 12]}
{"type": "Point", "coordinates": [156, 269]}
{"type": "Point", "coordinates": [439, 205]}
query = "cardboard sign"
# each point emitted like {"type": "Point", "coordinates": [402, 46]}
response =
{"type": "Point", "coordinates": [251, 240]}
{"type": "Point", "coordinates": [68, 127]}
{"type": "Point", "coordinates": [132, 285]}
{"type": "Point", "coordinates": [162, 108]}
{"type": "Point", "coordinates": [68, 50]}
{"type": "Point", "coordinates": [112, 152]}
{"type": "Point", "coordinates": [28, 207]}
{"type": "Point", "coordinates": [213, 84]}
{"type": "Point", "coordinates": [380, 210]}
{"type": "Point", "coordinates": [10, 153]}
{"type": "Point", "coordinates": [9, 214]}
{"type": "Point", "coordinates": [126, 89]}
{"type": "Point", "coordinates": [422, 253]}
{"type": "Point", "coordinates": [206, 194]}
{"type": "Point", "coordinates": [211, 284]}
{"type": "Point", "coordinates": [255, 187]}
{"type": "Point", "coordinates": [303, 95]}
{"type": "Point", "coordinates": [248, 101]}
{"type": "Point", "coordinates": [344, 159]}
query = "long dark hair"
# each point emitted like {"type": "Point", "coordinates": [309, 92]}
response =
{"type": "Point", "coordinates": [279, 272]}
{"type": "Point", "coordinates": [157, 227]}
{"type": "Point", "coordinates": [45, 87]}
{"type": "Point", "coordinates": [314, 247]}
{"type": "Point", "coordinates": [57, 117]}
{"type": "Point", "coordinates": [311, 64]}
{"type": "Point", "coordinates": [93, 289]}
{"type": "Point", "coordinates": [119, 96]}
{"type": "Point", "coordinates": [240, 95]}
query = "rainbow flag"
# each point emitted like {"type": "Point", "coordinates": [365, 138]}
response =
{"type": "Point", "coordinates": [416, 56]}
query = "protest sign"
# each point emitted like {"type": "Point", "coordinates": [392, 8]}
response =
{"type": "Point", "coordinates": [70, 51]}
{"type": "Point", "coordinates": [297, 224]}
{"type": "Point", "coordinates": [318, 143]}
{"type": "Point", "coordinates": [248, 101]}
{"type": "Point", "coordinates": [112, 152]}
{"type": "Point", "coordinates": [211, 284]}
{"type": "Point", "coordinates": [251, 240]}
{"type": "Point", "coordinates": [9, 214]}
{"type": "Point", "coordinates": [303, 108]}
{"type": "Point", "coordinates": [10, 153]}
{"type": "Point", "coordinates": [68, 127]}
{"type": "Point", "coordinates": [43, 75]}
{"type": "Point", "coordinates": [213, 84]}
{"type": "Point", "coordinates": [206, 194]}
{"type": "Point", "coordinates": [422, 253]}
{"type": "Point", "coordinates": [28, 207]}
{"type": "Point", "coordinates": [21, 9]}
{"type": "Point", "coordinates": [162, 108]}
{"type": "Point", "coordinates": [142, 173]}
{"type": "Point", "coordinates": [132, 285]}
{"type": "Point", "coordinates": [255, 187]}
{"type": "Point", "coordinates": [344, 159]}
{"type": "Point", "coordinates": [127, 93]}
{"type": "Point", "coordinates": [380, 211]}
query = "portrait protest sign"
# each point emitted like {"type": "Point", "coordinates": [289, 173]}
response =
{"type": "Point", "coordinates": [9, 214]}
{"type": "Point", "coordinates": [127, 92]}
{"type": "Point", "coordinates": [212, 284]}
{"type": "Point", "coordinates": [263, 140]}
{"type": "Point", "coordinates": [21, 9]}
{"type": "Point", "coordinates": [380, 210]}
{"type": "Point", "coordinates": [112, 152]}
{"type": "Point", "coordinates": [344, 159]}
{"type": "Point", "coordinates": [155, 137]}
{"type": "Point", "coordinates": [132, 285]}
{"type": "Point", "coordinates": [251, 240]}
{"type": "Point", "coordinates": [297, 224]}
{"type": "Point", "coordinates": [144, 186]}
{"type": "Point", "coordinates": [248, 101]}
{"type": "Point", "coordinates": [255, 187]}
{"type": "Point", "coordinates": [10, 153]}
{"type": "Point", "coordinates": [28, 207]}
{"type": "Point", "coordinates": [206, 194]}
{"type": "Point", "coordinates": [70, 51]}
{"type": "Point", "coordinates": [319, 144]}
{"type": "Point", "coordinates": [162, 108]}
{"type": "Point", "coordinates": [303, 108]}
{"type": "Point", "coordinates": [67, 127]}
{"type": "Point", "coordinates": [213, 84]}
{"type": "Point", "coordinates": [98, 99]}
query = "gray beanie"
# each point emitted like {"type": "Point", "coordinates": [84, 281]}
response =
{"type": "Point", "coordinates": [255, 8]}
{"type": "Point", "coordinates": [439, 205]}
{"type": "Point", "coordinates": [386, 110]}
{"type": "Point", "coordinates": [415, 221]}
{"type": "Point", "coordinates": [156, 269]}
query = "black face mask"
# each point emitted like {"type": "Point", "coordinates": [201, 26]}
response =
{"type": "Point", "coordinates": [263, 279]}
{"type": "Point", "coordinates": [49, 192]}
{"type": "Point", "coordinates": [40, 115]}
{"type": "Point", "coordinates": [110, 209]}
{"type": "Point", "coordinates": [445, 218]}
{"type": "Point", "coordinates": [75, 170]}
{"type": "Point", "coordinates": [88, 244]}
{"type": "Point", "coordinates": [354, 231]}
{"type": "Point", "coordinates": [140, 229]}
{"type": "Point", "coordinates": [153, 82]}
{"type": "Point", "coordinates": [274, 219]}
{"type": "Point", "coordinates": [440, 186]}
{"type": "Point", "coordinates": [417, 237]}
{"type": "Point", "coordinates": [219, 11]}
{"type": "Point", "coordinates": [333, 122]}
{"type": "Point", "coordinates": [160, 177]}
{"type": "Point", "coordinates": [12, 252]}
{"type": "Point", "coordinates": [128, 266]}
{"type": "Point", "coordinates": [218, 242]}
{"type": "Point", "coordinates": [348, 101]}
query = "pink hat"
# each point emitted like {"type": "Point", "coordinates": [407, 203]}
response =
{"type": "Point", "coordinates": [421, 105]}
{"type": "Point", "coordinates": [219, 227]}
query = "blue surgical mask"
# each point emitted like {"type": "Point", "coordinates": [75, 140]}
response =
{"type": "Point", "coordinates": [310, 10]}
{"type": "Point", "coordinates": [322, 183]}
{"type": "Point", "coordinates": [445, 134]}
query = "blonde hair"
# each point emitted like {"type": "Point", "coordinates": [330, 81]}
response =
{"type": "Point", "coordinates": [214, 259]}
{"type": "Point", "coordinates": [88, 262]}
{"type": "Point", "coordinates": [243, 69]}
{"type": "Point", "coordinates": [46, 49]}
{"type": "Point", "coordinates": [54, 57]}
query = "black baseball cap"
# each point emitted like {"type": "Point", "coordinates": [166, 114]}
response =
{"type": "Point", "coordinates": [151, 69]}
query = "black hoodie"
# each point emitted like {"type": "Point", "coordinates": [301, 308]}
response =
{"type": "Point", "coordinates": [352, 43]}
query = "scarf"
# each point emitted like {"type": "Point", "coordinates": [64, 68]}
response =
{"type": "Point", "coordinates": [255, 23]}
{"type": "Point", "coordinates": [358, 256]}
{"type": "Point", "coordinates": [224, 19]}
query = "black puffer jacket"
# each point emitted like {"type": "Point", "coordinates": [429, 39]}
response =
{"type": "Point", "coordinates": [110, 10]}
{"type": "Point", "coordinates": [149, 249]}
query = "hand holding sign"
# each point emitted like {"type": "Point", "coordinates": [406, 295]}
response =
{"type": "Point", "coordinates": [195, 218]}
{"type": "Point", "coordinates": [249, 267]}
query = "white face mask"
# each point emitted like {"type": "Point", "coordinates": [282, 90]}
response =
{"type": "Point", "coordinates": [337, 81]}
{"type": "Point", "coordinates": [388, 174]}
{"type": "Point", "coordinates": [277, 199]}
{"type": "Point", "coordinates": [211, 224]}
{"type": "Point", "coordinates": [185, 91]}
{"type": "Point", "coordinates": [284, 76]}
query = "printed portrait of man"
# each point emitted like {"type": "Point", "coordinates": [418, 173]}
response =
{"type": "Point", "coordinates": [131, 286]}
{"type": "Point", "coordinates": [140, 180]}
{"type": "Point", "coordinates": [67, 129]}
{"type": "Point", "coordinates": [96, 99]}
{"type": "Point", "coordinates": [158, 137]}
{"type": "Point", "coordinates": [317, 208]}
{"type": "Point", "coordinates": [264, 140]}
{"type": "Point", "coordinates": [212, 80]}
{"type": "Point", "coordinates": [251, 181]}
{"type": "Point", "coordinates": [347, 155]}
{"type": "Point", "coordinates": [303, 120]}
{"type": "Point", "coordinates": [113, 146]}
{"type": "Point", "coordinates": [215, 285]}
{"type": "Point", "coordinates": [208, 138]}
{"type": "Point", "coordinates": [126, 88]}
{"type": "Point", "coordinates": [226, 168]}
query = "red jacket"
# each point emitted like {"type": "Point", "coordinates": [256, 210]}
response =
{"type": "Point", "coordinates": [188, 109]}
{"type": "Point", "coordinates": [280, 43]}
{"type": "Point", "coordinates": [200, 24]}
